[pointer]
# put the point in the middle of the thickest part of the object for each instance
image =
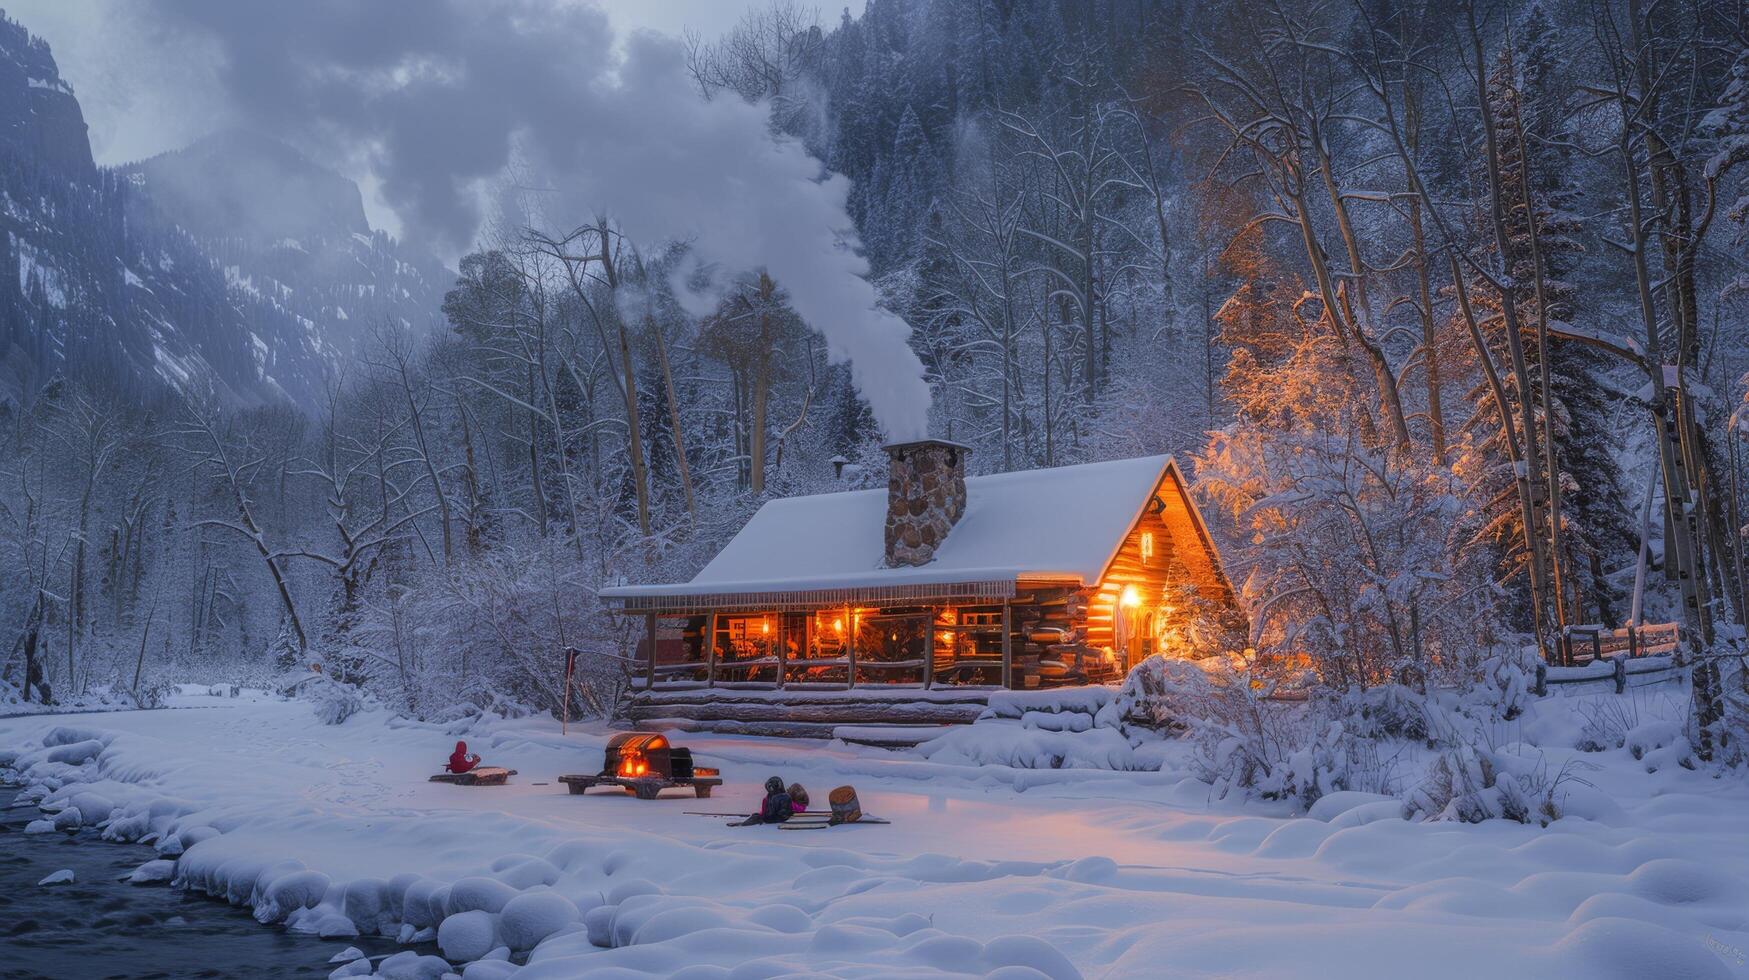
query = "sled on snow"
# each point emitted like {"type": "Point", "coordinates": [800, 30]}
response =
{"type": "Point", "coordinates": [477, 776]}
{"type": "Point", "coordinates": [823, 821]}
{"type": "Point", "coordinates": [842, 808]}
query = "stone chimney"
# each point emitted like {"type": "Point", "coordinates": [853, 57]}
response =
{"type": "Point", "coordinates": [926, 494]}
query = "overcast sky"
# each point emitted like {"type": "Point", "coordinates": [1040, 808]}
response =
{"type": "Point", "coordinates": [155, 76]}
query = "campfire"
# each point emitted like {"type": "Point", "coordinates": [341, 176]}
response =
{"type": "Point", "coordinates": [640, 755]}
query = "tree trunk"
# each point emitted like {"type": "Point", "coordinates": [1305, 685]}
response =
{"type": "Point", "coordinates": [674, 418]}
{"type": "Point", "coordinates": [1429, 342]}
{"type": "Point", "coordinates": [1533, 473]}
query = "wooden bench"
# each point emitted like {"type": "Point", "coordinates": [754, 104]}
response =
{"type": "Point", "coordinates": [643, 787]}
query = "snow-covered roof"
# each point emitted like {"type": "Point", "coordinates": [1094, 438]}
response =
{"type": "Point", "coordinates": [1065, 523]}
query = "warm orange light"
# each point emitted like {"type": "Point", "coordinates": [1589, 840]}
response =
{"type": "Point", "coordinates": [765, 626]}
{"type": "Point", "coordinates": [1147, 545]}
{"type": "Point", "coordinates": [1130, 596]}
{"type": "Point", "coordinates": [838, 624]}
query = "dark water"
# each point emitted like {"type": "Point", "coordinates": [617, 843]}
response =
{"type": "Point", "coordinates": [100, 927]}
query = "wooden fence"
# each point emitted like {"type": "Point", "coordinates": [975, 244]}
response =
{"type": "Point", "coordinates": [1632, 656]}
{"type": "Point", "coordinates": [1584, 644]}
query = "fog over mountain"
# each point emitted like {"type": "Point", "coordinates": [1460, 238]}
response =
{"type": "Point", "coordinates": [234, 268]}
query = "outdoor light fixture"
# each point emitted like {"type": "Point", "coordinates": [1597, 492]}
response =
{"type": "Point", "coordinates": [1130, 596]}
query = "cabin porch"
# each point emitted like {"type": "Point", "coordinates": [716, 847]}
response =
{"type": "Point", "coordinates": [1031, 638]}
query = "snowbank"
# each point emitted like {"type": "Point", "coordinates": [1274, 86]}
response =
{"type": "Point", "coordinates": [333, 831]}
{"type": "Point", "coordinates": [1064, 728]}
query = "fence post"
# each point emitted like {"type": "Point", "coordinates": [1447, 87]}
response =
{"type": "Point", "coordinates": [1542, 680]}
{"type": "Point", "coordinates": [1621, 674]}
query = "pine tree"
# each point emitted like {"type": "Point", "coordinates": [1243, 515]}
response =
{"type": "Point", "coordinates": [906, 182]}
{"type": "Point", "coordinates": [1528, 101]}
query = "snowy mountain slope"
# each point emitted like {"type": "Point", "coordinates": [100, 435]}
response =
{"type": "Point", "coordinates": [234, 269]}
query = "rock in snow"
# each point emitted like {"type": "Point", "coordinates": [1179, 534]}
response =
{"type": "Point", "coordinates": [533, 916]}
{"type": "Point", "coordinates": [357, 968]}
{"type": "Point", "coordinates": [468, 935]}
{"type": "Point", "coordinates": [408, 965]}
{"type": "Point", "coordinates": [64, 876]}
{"type": "Point", "coordinates": [347, 955]}
{"type": "Point", "coordinates": [153, 872]}
{"type": "Point", "coordinates": [486, 894]}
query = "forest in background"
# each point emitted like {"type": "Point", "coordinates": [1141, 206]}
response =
{"type": "Point", "coordinates": [1443, 301]}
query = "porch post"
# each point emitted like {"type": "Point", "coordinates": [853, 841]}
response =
{"type": "Point", "coordinates": [1007, 644]}
{"type": "Point", "coordinates": [650, 639]}
{"type": "Point", "coordinates": [850, 644]}
{"type": "Point", "coordinates": [710, 644]}
{"type": "Point", "coordinates": [782, 654]}
{"type": "Point", "coordinates": [929, 648]}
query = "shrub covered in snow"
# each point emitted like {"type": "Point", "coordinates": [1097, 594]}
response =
{"type": "Point", "coordinates": [1470, 784]}
{"type": "Point", "coordinates": [334, 702]}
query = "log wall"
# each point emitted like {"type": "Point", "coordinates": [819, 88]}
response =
{"type": "Point", "coordinates": [1175, 534]}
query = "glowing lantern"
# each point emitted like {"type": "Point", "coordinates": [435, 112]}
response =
{"type": "Point", "coordinates": [1130, 596]}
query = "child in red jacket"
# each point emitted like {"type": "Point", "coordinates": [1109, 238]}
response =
{"type": "Point", "coordinates": [460, 761]}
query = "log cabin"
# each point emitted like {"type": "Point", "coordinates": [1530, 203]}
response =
{"type": "Point", "coordinates": [940, 583]}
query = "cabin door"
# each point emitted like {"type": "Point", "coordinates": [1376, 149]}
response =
{"type": "Point", "coordinates": [1134, 633]}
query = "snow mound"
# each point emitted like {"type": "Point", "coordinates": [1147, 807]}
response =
{"type": "Point", "coordinates": [468, 935]}
{"type": "Point", "coordinates": [533, 916]}
{"type": "Point", "coordinates": [487, 894]}
{"type": "Point", "coordinates": [64, 876]}
{"type": "Point", "coordinates": [153, 872]}
{"type": "Point", "coordinates": [1625, 949]}
{"type": "Point", "coordinates": [1063, 728]}
{"type": "Point", "coordinates": [409, 965]}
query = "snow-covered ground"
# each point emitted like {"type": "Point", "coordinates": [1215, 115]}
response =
{"type": "Point", "coordinates": [983, 871]}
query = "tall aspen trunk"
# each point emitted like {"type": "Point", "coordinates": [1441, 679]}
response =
{"type": "Point", "coordinates": [1533, 472]}
{"type": "Point", "coordinates": [1557, 555]}
{"type": "Point", "coordinates": [534, 476]}
{"type": "Point", "coordinates": [634, 432]}
{"type": "Point", "coordinates": [1429, 342]}
{"type": "Point", "coordinates": [1514, 453]}
{"type": "Point", "coordinates": [674, 417]}
{"type": "Point", "coordinates": [761, 389]}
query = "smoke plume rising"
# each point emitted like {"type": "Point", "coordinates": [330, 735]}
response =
{"type": "Point", "coordinates": [436, 97]}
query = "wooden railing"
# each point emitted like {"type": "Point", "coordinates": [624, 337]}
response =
{"type": "Point", "coordinates": [1583, 644]}
{"type": "Point", "coordinates": [1592, 654]}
